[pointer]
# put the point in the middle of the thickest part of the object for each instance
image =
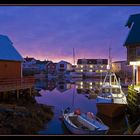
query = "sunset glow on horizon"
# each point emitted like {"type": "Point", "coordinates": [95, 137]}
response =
{"type": "Point", "coordinates": [51, 32]}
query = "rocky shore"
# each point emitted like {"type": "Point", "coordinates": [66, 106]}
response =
{"type": "Point", "coordinates": [24, 116]}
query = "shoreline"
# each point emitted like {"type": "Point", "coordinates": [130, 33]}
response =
{"type": "Point", "coordinates": [25, 117]}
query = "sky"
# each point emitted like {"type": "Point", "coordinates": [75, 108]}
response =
{"type": "Point", "coordinates": [51, 32]}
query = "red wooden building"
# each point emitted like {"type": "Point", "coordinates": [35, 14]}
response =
{"type": "Point", "coordinates": [10, 59]}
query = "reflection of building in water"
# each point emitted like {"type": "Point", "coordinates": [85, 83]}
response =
{"type": "Point", "coordinates": [46, 84]}
{"type": "Point", "coordinates": [51, 84]}
{"type": "Point", "coordinates": [40, 84]}
{"type": "Point", "coordinates": [85, 86]}
{"type": "Point", "coordinates": [92, 67]}
{"type": "Point", "coordinates": [63, 86]}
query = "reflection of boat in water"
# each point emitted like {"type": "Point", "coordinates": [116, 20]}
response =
{"type": "Point", "coordinates": [81, 123]}
{"type": "Point", "coordinates": [111, 101]}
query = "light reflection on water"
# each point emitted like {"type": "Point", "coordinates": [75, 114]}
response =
{"type": "Point", "coordinates": [62, 94]}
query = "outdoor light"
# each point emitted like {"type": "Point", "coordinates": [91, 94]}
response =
{"type": "Point", "coordinates": [136, 63]}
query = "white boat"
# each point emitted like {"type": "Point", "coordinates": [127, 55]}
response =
{"type": "Point", "coordinates": [111, 101]}
{"type": "Point", "coordinates": [84, 123]}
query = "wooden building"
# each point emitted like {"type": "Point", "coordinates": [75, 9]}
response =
{"type": "Point", "coordinates": [132, 44]}
{"type": "Point", "coordinates": [10, 59]}
{"type": "Point", "coordinates": [11, 79]}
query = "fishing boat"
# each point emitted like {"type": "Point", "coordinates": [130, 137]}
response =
{"type": "Point", "coordinates": [111, 101]}
{"type": "Point", "coordinates": [83, 123]}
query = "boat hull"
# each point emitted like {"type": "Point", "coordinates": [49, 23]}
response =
{"type": "Point", "coordinates": [77, 131]}
{"type": "Point", "coordinates": [111, 109]}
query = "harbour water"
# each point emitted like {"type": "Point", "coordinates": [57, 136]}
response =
{"type": "Point", "coordinates": [63, 94]}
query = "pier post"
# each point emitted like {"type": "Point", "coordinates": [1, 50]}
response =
{"type": "Point", "coordinates": [30, 91]}
{"type": "Point", "coordinates": [17, 94]}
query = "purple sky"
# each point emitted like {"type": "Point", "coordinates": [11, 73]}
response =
{"type": "Point", "coordinates": [50, 32]}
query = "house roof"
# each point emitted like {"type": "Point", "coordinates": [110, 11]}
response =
{"type": "Point", "coordinates": [133, 37]}
{"type": "Point", "coordinates": [120, 61]}
{"type": "Point", "coordinates": [62, 61]}
{"type": "Point", "coordinates": [41, 62]}
{"type": "Point", "coordinates": [92, 61]}
{"type": "Point", "coordinates": [7, 50]}
{"type": "Point", "coordinates": [29, 59]}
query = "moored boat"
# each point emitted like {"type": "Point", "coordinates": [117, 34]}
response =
{"type": "Point", "coordinates": [81, 123]}
{"type": "Point", "coordinates": [111, 101]}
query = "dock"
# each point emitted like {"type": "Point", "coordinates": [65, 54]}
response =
{"type": "Point", "coordinates": [16, 85]}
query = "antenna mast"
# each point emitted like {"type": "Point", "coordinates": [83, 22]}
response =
{"type": "Point", "coordinates": [73, 56]}
{"type": "Point", "coordinates": [110, 59]}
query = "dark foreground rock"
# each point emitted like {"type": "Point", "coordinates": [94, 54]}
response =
{"type": "Point", "coordinates": [23, 117]}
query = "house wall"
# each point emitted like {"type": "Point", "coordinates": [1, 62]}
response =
{"type": "Point", "coordinates": [138, 74]}
{"type": "Point", "coordinates": [10, 69]}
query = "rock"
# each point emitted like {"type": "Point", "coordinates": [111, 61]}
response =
{"type": "Point", "coordinates": [25, 117]}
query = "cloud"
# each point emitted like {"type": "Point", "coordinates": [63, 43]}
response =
{"type": "Point", "coordinates": [52, 31]}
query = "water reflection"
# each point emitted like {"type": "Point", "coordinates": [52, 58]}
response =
{"type": "Point", "coordinates": [74, 95]}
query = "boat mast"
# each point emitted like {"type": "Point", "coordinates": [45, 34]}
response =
{"type": "Point", "coordinates": [110, 68]}
{"type": "Point", "coordinates": [73, 56]}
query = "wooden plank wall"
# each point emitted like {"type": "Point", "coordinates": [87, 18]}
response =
{"type": "Point", "coordinates": [10, 69]}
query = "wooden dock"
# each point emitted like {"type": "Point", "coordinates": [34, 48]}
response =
{"type": "Point", "coordinates": [10, 85]}
{"type": "Point", "coordinates": [133, 98]}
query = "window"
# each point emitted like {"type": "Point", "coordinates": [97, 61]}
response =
{"type": "Point", "coordinates": [90, 70]}
{"type": "Point", "coordinates": [61, 65]}
{"type": "Point", "coordinates": [137, 51]}
{"type": "Point", "coordinates": [91, 66]}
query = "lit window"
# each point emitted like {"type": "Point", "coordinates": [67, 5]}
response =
{"type": "Point", "coordinates": [90, 70]}
{"type": "Point", "coordinates": [100, 83]}
{"type": "Point", "coordinates": [101, 70]}
{"type": "Point", "coordinates": [81, 66]}
{"type": "Point", "coordinates": [81, 83]}
{"type": "Point", "coordinates": [91, 66]}
{"type": "Point", "coordinates": [90, 83]}
{"type": "Point", "coordinates": [81, 70]}
{"type": "Point", "coordinates": [90, 87]}
{"type": "Point", "coordinates": [81, 87]}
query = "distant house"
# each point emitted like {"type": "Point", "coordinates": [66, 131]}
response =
{"type": "Point", "coordinates": [118, 66]}
{"type": "Point", "coordinates": [10, 59]}
{"type": "Point", "coordinates": [63, 67]}
{"type": "Point", "coordinates": [41, 65]}
{"type": "Point", "coordinates": [132, 43]}
{"type": "Point", "coordinates": [29, 63]}
{"type": "Point", "coordinates": [51, 67]}
{"type": "Point", "coordinates": [123, 69]}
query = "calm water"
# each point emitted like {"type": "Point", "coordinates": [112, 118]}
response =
{"type": "Point", "coordinates": [62, 94]}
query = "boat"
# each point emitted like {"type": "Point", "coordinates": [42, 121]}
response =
{"type": "Point", "coordinates": [83, 123]}
{"type": "Point", "coordinates": [111, 101]}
